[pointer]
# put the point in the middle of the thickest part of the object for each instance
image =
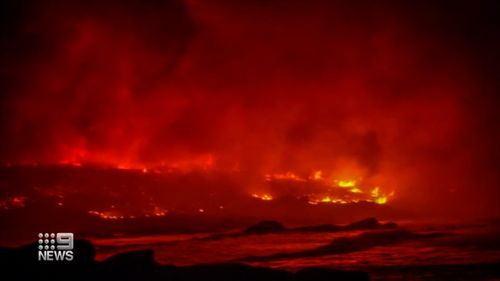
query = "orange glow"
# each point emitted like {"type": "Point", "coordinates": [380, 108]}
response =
{"type": "Point", "coordinates": [342, 191]}
{"type": "Point", "coordinates": [287, 176]}
{"type": "Point", "coordinates": [159, 212]}
{"type": "Point", "coordinates": [328, 199]}
{"type": "Point", "coordinates": [203, 162]}
{"type": "Point", "coordinates": [318, 175]}
{"type": "Point", "coordinates": [106, 215]}
{"type": "Point", "coordinates": [378, 197]}
{"type": "Point", "coordinates": [114, 215]}
{"type": "Point", "coordinates": [265, 197]}
{"type": "Point", "coordinates": [200, 162]}
{"type": "Point", "coordinates": [346, 183]}
{"type": "Point", "coordinates": [355, 190]}
{"type": "Point", "coordinates": [381, 200]}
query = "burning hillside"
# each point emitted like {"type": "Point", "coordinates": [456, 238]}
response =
{"type": "Point", "coordinates": [130, 109]}
{"type": "Point", "coordinates": [155, 193]}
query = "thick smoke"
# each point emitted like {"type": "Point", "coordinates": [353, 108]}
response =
{"type": "Point", "coordinates": [403, 95]}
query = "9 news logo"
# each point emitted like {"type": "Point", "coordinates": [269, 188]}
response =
{"type": "Point", "coordinates": [55, 246]}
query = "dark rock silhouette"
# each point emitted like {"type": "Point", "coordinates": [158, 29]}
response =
{"type": "Point", "coordinates": [265, 227]}
{"type": "Point", "coordinates": [343, 245]}
{"type": "Point", "coordinates": [319, 228]}
{"type": "Point", "coordinates": [28, 254]}
{"type": "Point", "coordinates": [141, 258]}
{"type": "Point", "coordinates": [22, 264]}
{"type": "Point", "coordinates": [271, 226]}
{"type": "Point", "coordinates": [365, 224]}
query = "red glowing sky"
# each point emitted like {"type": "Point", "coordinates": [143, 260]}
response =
{"type": "Point", "coordinates": [400, 94]}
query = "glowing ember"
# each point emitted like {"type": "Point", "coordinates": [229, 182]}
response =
{"type": "Point", "coordinates": [346, 183]}
{"type": "Point", "coordinates": [381, 200]}
{"type": "Point", "coordinates": [328, 199]}
{"type": "Point", "coordinates": [265, 197]}
{"type": "Point", "coordinates": [288, 176]}
{"type": "Point", "coordinates": [322, 191]}
{"type": "Point", "coordinates": [159, 212]}
{"type": "Point", "coordinates": [355, 190]}
{"type": "Point", "coordinates": [318, 175]}
{"type": "Point", "coordinates": [114, 215]}
{"type": "Point", "coordinates": [378, 197]}
{"type": "Point", "coordinates": [108, 215]}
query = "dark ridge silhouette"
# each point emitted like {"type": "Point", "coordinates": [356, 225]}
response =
{"type": "Point", "coordinates": [139, 258]}
{"type": "Point", "coordinates": [369, 223]}
{"type": "Point", "coordinates": [343, 245]}
{"type": "Point", "coordinates": [271, 226]}
{"type": "Point", "coordinates": [264, 227]}
{"type": "Point", "coordinates": [22, 264]}
{"type": "Point", "coordinates": [365, 224]}
{"type": "Point", "coordinates": [320, 228]}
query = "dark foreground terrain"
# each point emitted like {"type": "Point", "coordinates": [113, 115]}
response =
{"type": "Point", "coordinates": [363, 250]}
{"type": "Point", "coordinates": [22, 264]}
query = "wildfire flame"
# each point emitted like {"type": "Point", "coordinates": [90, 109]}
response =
{"type": "Point", "coordinates": [287, 176]}
{"type": "Point", "coordinates": [315, 188]}
{"type": "Point", "coordinates": [342, 191]}
{"type": "Point", "coordinates": [115, 215]}
{"type": "Point", "coordinates": [355, 190]}
{"type": "Point", "coordinates": [108, 215]}
{"type": "Point", "coordinates": [346, 183]}
{"type": "Point", "coordinates": [318, 175]}
{"type": "Point", "coordinates": [265, 197]}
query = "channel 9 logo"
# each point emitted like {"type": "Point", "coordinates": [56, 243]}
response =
{"type": "Point", "coordinates": [55, 246]}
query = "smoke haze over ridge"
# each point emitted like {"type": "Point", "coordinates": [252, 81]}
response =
{"type": "Point", "coordinates": [403, 95]}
